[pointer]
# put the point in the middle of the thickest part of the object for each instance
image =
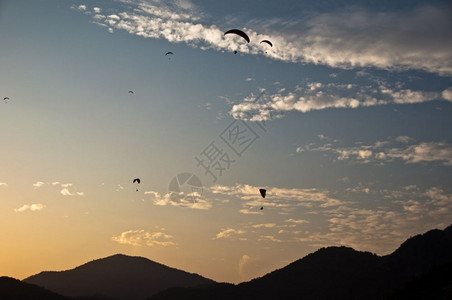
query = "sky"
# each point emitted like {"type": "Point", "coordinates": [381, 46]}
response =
{"type": "Point", "coordinates": [345, 121]}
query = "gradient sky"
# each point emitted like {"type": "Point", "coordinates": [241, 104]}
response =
{"type": "Point", "coordinates": [346, 121]}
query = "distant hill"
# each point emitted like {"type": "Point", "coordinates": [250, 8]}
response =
{"type": "Point", "coordinates": [117, 277]}
{"type": "Point", "coordinates": [13, 289]}
{"type": "Point", "coordinates": [414, 269]}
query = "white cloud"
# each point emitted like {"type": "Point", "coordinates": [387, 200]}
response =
{"type": "Point", "coordinates": [267, 225]}
{"type": "Point", "coordinates": [31, 207]}
{"type": "Point", "coordinates": [38, 184]}
{"type": "Point", "coordinates": [3, 184]}
{"type": "Point", "coordinates": [82, 7]}
{"type": "Point", "coordinates": [228, 233]}
{"type": "Point", "coordinates": [296, 221]}
{"type": "Point", "coordinates": [96, 10]}
{"type": "Point", "coordinates": [447, 94]}
{"type": "Point", "coordinates": [317, 96]}
{"type": "Point", "coordinates": [283, 199]}
{"type": "Point", "coordinates": [191, 199]}
{"type": "Point", "coordinates": [143, 238]}
{"type": "Point", "coordinates": [409, 39]}
{"type": "Point", "coordinates": [66, 192]}
{"type": "Point", "coordinates": [382, 152]}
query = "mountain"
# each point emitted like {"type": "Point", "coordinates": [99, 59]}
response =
{"type": "Point", "coordinates": [344, 273]}
{"type": "Point", "coordinates": [117, 277]}
{"type": "Point", "coordinates": [13, 289]}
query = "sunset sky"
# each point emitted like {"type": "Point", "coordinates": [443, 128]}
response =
{"type": "Point", "coordinates": [346, 121]}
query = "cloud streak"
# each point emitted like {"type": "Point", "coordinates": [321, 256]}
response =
{"type": "Point", "coordinates": [143, 238]}
{"type": "Point", "coordinates": [312, 96]}
{"type": "Point", "coordinates": [30, 207]}
{"type": "Point", "coordinates": [415, 39]}
{"type": "Point", "coordinates": [388, 151]}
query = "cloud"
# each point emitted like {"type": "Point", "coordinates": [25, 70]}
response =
{"type": "Point", "coordinates": [297, 221]}
{"type": "Point", "coordinates": [96, 10]}
{"type": "Point", "coordinates": [31, 207]}
{"type": "Point", "coordinates": [267, 225]}
{"type": "Point", "coordinates": [381, 228]}
{"type": "Point", "coordinates": [409, 39]}
{"type": "Point", "coordinates": [228, 233]}
{"type": "Point", "coordinates": [191, 199]}
{"type": "Point", "coordinates": [283, 199]}
{"type": "Point", "coordinates": [312, 96]}
{"type": "Point", "coordinates": [38, 184]}
{"type": "Point", "coordinates": [353, 37]}
{"type": "Point", "coordinates": [250, 267]}
{"type": "Point", "coordinates": [383, 152]}
{"type": "Point", "coordinates": [3, 184]}
{"type": "Point", "coordinates": [447, 94]}
{"type": "Point", "coordinates": [81, 7]}
{"type": "Point", "coordinates": [144, 238]}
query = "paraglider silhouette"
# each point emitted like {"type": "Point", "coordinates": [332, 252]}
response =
{"type": "Point", "coordinates": [138, 181]}
{"type": "Point", "coordinates": [6, 99]}
{"type": "Point", "coordinates": [263, 193]}
{"type": "Point", "coordinates": [130, 92]}
{"type": "Point", "coordinates": [238, 32]}
{"type": "Point", "coordinates": [168, 53]}
{"type": "Point", "coordinates": [267, 42]}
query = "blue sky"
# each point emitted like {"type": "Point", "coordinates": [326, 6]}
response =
{"type": "Point", "coordinates": [345, 121]}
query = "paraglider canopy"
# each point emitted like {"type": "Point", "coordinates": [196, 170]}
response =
{"type": "Point", "coordinates": [130, 92]}
{"type": "Point", "coordinates": [6, 98]}
{"type": "Point", "coordinates": [263, 192]}
{"type": "Point", "coordinates": [238, 32]}
{"type": "Point", "coordinates": [266, 41]}
{"type": "Point", "coordinates": [137, 180]}
{"type": "Point", "coordinates": [169, 53]}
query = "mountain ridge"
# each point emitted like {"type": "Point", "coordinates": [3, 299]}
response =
{"type": "Point", "coordinates": [118, 276]}
{"type": "Point", "coordinates": [337, 272]}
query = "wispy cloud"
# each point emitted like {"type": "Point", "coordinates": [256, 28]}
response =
{"type": "Point", "coordinates": [143, 238]}
{"type": "Point", "coordinates": [388, 151]}
{"type": "Point", "coordinates": [3, 184]}
{"type": "Point", "coordinates": [31, 207]}
{"type": "Point", "coordinates": [193, 199]}
{"type": "Point", "coordinates": [228, 233]}
{"type": "Point", "coordinates": [65, 188]}
{"type": "Point", "coordinates": [38, 184]}
{"type": "Point", "coordinates": [311, 96]}
{"type": "Point", "coordinates": [353, 37]}
{"type": "Point", "coordinates": [283, 199]}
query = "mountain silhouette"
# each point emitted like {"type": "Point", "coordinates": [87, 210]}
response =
{"type": "Point", "coordinates": [117, 277]}
{"type": "Point", "coordinates": [13, 289]}
{"type": "Point", "coordinates": [344, 273]}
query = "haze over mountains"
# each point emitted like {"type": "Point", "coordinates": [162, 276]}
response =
{"type": "Point", "coordinates": [421, 268]}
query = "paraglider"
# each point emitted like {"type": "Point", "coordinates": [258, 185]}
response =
{"type": "Point", "coordinates": [130, 92]}
{"type": "Point", "coordinates": [138, 181]}
{"type": "Point", "coordinates": [168, 53]}
{"type": "Point", "coordinates": [238, 32]}
{"type": "Point", "coordinates": [266, 41]}
{"type": "Point", "coordinates": [6, 99]}
{"type": "Point", "coordinates": [263, 192]}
